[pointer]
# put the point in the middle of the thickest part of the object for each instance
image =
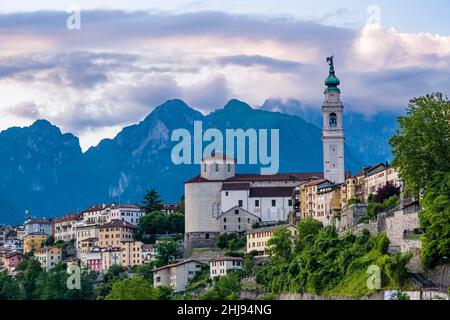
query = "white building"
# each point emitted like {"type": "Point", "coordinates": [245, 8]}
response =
{"type": "Point", "coordinates": [38, 225]}
{"type": "Point", "coordinates": [221, 266]}
{"type": "Point", "coordinates": [176, 275]}
{"type": "Point", "coordinates": [104, 213]}
{"type": "Point", "coordinates": [48, 257]}
{"type": "Point", "coordinates": [148, 252]}
{"type": "Point", "coordinates": [218, 193]}
{"type": "Point", "coordinates": [130, 213]}
{"type": "Point", "coordinates": [65, 228]}
{"type": "Point", "coordinates": [333, 129]}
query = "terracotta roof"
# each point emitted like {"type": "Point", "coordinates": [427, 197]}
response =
{"type": "Point", "coordinates": [176, 264]}
{"type": "Point", "coordinates": [13, 254]}
{"type": "Point", "coordinates": [68, 217]}
{"type": "Point", "coordinates": [235, 186]}
{"type": "Point", "coordinates": [227, 259]}
{"type": "Point", "coordinates": [271, 192]}
{"type": "Point", "coordinates": [118, 223]}
{"type": "Point", "coordinates": [45, 249]}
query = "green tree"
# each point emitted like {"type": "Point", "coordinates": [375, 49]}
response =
{"type": "Point", "coordinates": [154, 223]}
{"type": "Point", "coordinates": [145, 270]}
{"type": "Point", "coordinates": [225, 288]}
{"type": "Point", "coordinates": [175, 222]}
{"type": "Point", "coordinates": [308, 229]}
{"type": "Point", "coordinates": [9, 287]}
{"type": "Point", "coordinates": [166, 252]}
{"type": "Point", "coordinates": [421, 145]}
{"type": "Point", "coordinates": [135, 288]}
{"type": "Point", "coordinates": [435, 221]}
{"type": "Point", "coordinates": [152, 201]}
{"type": "Point", "coordinates": [180, 206]}
{"type": "Point", "coordinates": [280, 244]}
{"type": "Point", "coordinates": [28, 271]}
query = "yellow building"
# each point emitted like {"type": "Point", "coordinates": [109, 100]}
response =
{"type": "Point", "coordinates": [34, 241]}
{"type": "Point", "coordinates": [257, 238]}
{"type": "Point", "coordinates": [131, 253]}
{"type": "Point", "coordinates": [112, 234]}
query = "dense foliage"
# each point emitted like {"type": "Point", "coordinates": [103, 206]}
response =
{"type": "Point", "coordinates": [435, 222]}
{"type": "Point", "coordinates": [421, 146]}
{"type": "Point", "coordinates": [322, 262]}
{"type": "Point", "coordinates": [152, 201]}
{"type": "Point", "coordinates": [230, 241]}
{"type": "Point", "coordinates": [421, 151]}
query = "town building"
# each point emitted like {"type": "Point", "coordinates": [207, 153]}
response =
{"type": "Point", "coordinates": [110, 256]}
{"type": "Point", "coordinates": [148, 252]}
{"type": "Point", "coordinates": [65, 228]}
{"type": "Point", "coordinates": [38, 225]}
{"type": "Point", "coordinates": [257, 238]}
{"type": "Point", "coordinates": [177, 275]}
{"type": "Point", "coordinates": [130, 213]}
{"type": "Point", "coordinates": [379, 176]}
{"type": "Point", "coordinates": [48, 257]}
{"type": "Point", "coordinates": [114, 232]}
{"type": "Point", "coordinates": [93, 259]}
{"type": "Point", "coordinates": [11, 261]}
{"type": "Point", "coordinates": [169, 208]}
{"type": "Point", "coordinates": [131, 253]}
{"type": "Point", "coordinates": [11, 241]}
{"type": "Point", "coordinates": [218, 192]}
{"type": "Point", "coordinates": [34, 241]}
{"type": "Point", "coordinates": [328, 204]}
{"type": "Point", "coordinates": [103, 213]}
{"type": "Point", "coordinates": [85, 246]}
{"type": "Point", "coordinates": [221, 266]}
{"type": "Point", "coordinates": [85, 232]}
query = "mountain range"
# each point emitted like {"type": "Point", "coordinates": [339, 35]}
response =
{"type": "Point", "coordinates": [45, 171]}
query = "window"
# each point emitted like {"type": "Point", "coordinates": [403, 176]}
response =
{"type": "Point", "coordinates": [236, 211]}
{"type": "Point", "coordinates": [240, 203]}
{"type": "Point", "coordinates": [224, 219]}
{"type": "Point", "coordinates": [239, 219]}
{"type": "Point", "coordinates": [333, 120]}
{"type": "Point", "coordinates": [206, 235]}
{"type": "Point", "coordinates": [229, 167]}
{"type": "Point", "coordinates": [274, 203]}
{"type": "Point", "coordinates": [256, 203]}
{"type": "Point", "coordinates": [204, 168]}
{"type": "Point", "coordinates": [290, 202]}
{"type": "Point", "coordinates": [216, 167]}
{"type": "Point", "coordinates": [226, 193]}
{"type": "Point", "coordinates": [224, 227]}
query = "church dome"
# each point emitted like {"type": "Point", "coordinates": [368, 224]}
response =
{"type": "Point", "coordinates": [332, 81]}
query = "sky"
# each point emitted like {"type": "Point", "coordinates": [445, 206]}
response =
{"type": "Point", "coordinates": [127, 57]}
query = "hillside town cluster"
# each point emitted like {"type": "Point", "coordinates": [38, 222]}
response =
{"type": "Point", "coordinates": [220, 201]}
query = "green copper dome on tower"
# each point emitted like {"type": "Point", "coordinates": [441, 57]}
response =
{"type": "Point", "coordinates": [332, 81]}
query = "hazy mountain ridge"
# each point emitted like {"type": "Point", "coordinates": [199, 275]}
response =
{"type": "Point", "coordinates": [44, 171]}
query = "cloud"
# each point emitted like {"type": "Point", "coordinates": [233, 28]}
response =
{"type": "Point", "coordinates": [120, 65]}
{"type": "Point", "coordinates": [271, 64]}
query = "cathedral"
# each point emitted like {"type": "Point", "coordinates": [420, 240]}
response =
{"type": "Point", "coordinates": [219, 200]}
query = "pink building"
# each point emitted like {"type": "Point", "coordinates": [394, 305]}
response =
{"type": "Point", "coordinates": [11, 261]}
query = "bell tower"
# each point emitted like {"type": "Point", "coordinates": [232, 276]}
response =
{"type": "Point", "coordinates": [333, 129]}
